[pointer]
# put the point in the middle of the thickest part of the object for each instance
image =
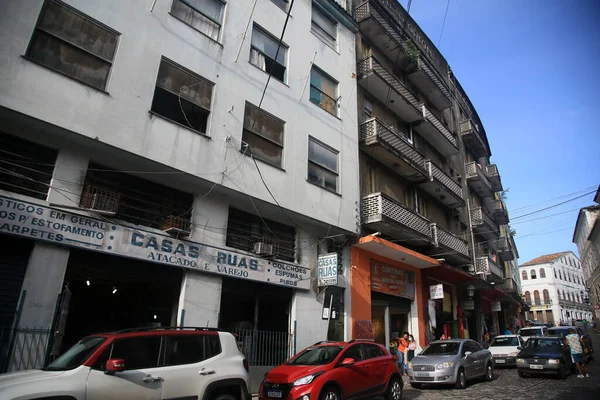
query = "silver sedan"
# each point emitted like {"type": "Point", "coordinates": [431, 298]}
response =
{"type": "Point", "coordinates": [451, 362]}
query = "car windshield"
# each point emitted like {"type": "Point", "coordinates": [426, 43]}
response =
{"type": "Point", "coordinates": [504, 341]}
{"type": "Point", "coordinates": [529, 332]}
{"type": "Point", "coordinates": [316, 355]}
{"type": "Point", "coordinates": [76, 354]}
{"type": "Point", "coordinates": [441, 349]}
{"type": "Point", "coordinates": [557, 332]}
{"type": "Point", "coordinates": [544, 344]}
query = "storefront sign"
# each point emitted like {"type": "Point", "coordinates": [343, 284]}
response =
{"type": "Point", "coordinates": [327, 270]}
{"type": "Point", "coordinates": [392, 280]}
{"type": "Point", "coordinates": [468, 304]}
{"type": "Point", "coordinates": [44, 223]}
{"type": "Point", "coordinates": [436, 292]}
{"type": "Point", "coordinates": [495, 306]}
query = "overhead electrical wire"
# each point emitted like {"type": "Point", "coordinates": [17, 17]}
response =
{"type": "Point", "coordinates": [553, 206]}
{"type": "Point", "coordinates": [443, 23]}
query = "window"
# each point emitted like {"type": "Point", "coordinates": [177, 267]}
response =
{"type": "Point", "coordinates": [323, 91]}
{"type": "Point", "coordinates": [353, 352]}
{"type": "Point", "coordinates": [368, 106]}
{"type": "Point", "coordinates": [324, 26]}
{"type": "Point", "coordinates": [558, 293]}
{"type": "Point", "coordinates": [542, 273]}
{"type": "Point", "coordinates": [528, 297]}
{"type": "Point", "coordinates": [372, 351]}
{"type": "Point", "coordinates": [262, 54]}
{"type": "Point", "coordinates": [322, 165]}
{"type": "Point", "coordinates": [262, 136]}
{"type": "Point", "coordinates": [578, 300]}
{"type": "Point", "coordinates": [475, 346]}
{"type": "Point", "coordinates": [546, 295]}
{"type": "Point", "coordinates": [536, 297]}
{"type": "Point", "coordinates": [138, 353]}
{"type": "Point", "coordinates": [554, 273]}
{"type": "Point", "coordinates": [182, 96]}
{"type": "Point", "coordinates": [564, 296]}
{"type": "Point", "coordinates": [524, 275]}
{"type": "Point", "coordinates": [283, 4]}
{"type": "Point", "coordinates": [244, 230]}
{"type": "Point", "coordinates": [204, 15]}
{"type": "Point", "coordinates": [190, 349]}
{"type": "Point", "coordinates": [533, 274]}
{"type": "Point", "coordinates": [569, 277]}
{"type": "Point", "coordinates": [73, 44]}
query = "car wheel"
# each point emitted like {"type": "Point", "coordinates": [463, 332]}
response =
{"type": "Point", "coordinates": [562, 372]}
{"type": "Point", "coordinates": [489, 373]}
{"type": "Point", "coordinates": [415, 385]}
{"type": "Point", "coordinates": [461, 380]}
{"type": "Point", "coordinates": [522, 374]}
{"type": "Point", "coordinates": [330, 393]}
{"type": "Point", "coordinates": [394, 390]}
{"type": "Point", "coordinates": [226, 397]}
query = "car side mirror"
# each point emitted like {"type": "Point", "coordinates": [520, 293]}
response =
{"type": "Point", "coordinates": [348, 362]}
{"type": "Point", "coordinates": [519, 348]}
{"type": "Point", "coordinates": [468, 353]}
{"type": "Point", "coordinates": [114, 365]}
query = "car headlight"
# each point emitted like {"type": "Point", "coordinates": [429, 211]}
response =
{"type": "Point", "coordinates": [409, 365]}
{"type": "Point", "coordinates": [305, 380]}
{"type": "Point", "coordinates": [445, 365]}
{"type": "Point", "coordinates": [553, 361]}
{"type": "Point", "coordinates": [513, 354]}
{"type": "Point", "coordinates": [520, 360]}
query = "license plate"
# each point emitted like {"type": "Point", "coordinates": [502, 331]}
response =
{"type": "Point", "coordinates": [536, 367]}
{"type": "Point", "coordinates": [422, 374]}
{"type": "Point", "coordinates": [502, 361]}
{"type": "Point", "coordinates": [274, 393]}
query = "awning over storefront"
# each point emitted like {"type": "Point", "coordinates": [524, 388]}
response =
{"type": "Point", "coordinates": [495, 294]}
{"type": "Point", "coordinates": [450, 275]}
{"type": "Point", "coordinates": [396, 252]}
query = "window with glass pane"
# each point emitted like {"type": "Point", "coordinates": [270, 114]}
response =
{"type": "Point", "coordinates": [324, 26]}
{"type": "Point", "coordinates": [322, 165]}
{"type": "Point", "coordinates": [182, 96]}
{"type": "Point", "coordinates": [138, 353]}
{"type": "Point", "coordinates": [73, 44]}
{"type": "Point", "coordinates": [262, 53]}
{"type": "Point", "coordinates": [204, 15]}
{"type": "Point", "coordinates": [262, 136]}
{"type": "Point", "coordinates": [323, 91]}
{"type": "Point", "coordinates": [283, 4]}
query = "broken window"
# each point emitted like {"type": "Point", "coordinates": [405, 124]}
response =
{"type": "Point", "coordinates": [73, 44]}
{"type": "Point", "coordinates": [204, 15]}
{"type": "Point", "coordinates": [322, 165]}
{"type": "Point", "coordinates": [263, 135]}
{"type": "Point", "coordinates": [262, 54]}
{"type": "Point", "coordinates": [182, 96]}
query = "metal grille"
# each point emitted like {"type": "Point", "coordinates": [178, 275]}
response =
{"type": "Point", "coordinates": [375, 129]}
{"type": "Point", "coordinates": [492, 170]}
{"type": "Point", "coordinates": [177, 223]}
{"type": "Point", "coordinates": [438, 124]}
{"type": "Point", "coordinates": [423, 65]}
{"type": "Point", "coordinates": [474, 170]}
{"type": "Point", "coordinates": [482, 265]}
{"type": "Point", "coordinates": [495, 269]}
{"type": "Point", "coordinates": [423, 368]}
{"type": "Point", "coordinates": [539, 361]}
{"type": "Point", "coordinates": [264, 348]}
{"type": "Point", "coordinates": [467, 126]}
{"type": "Point", "coordinates": [362, 12]}
{"type": "Point", "coordinates": [394, 82]}
{"type": "Point", "coordinates": [96, 198]}
{"type": "Point", "coordinates": [377, 205]}
{"type": "Point", "coordinates": [452, 241]}
{"type": "Point", "coordinates": [28, 348]}
{"type": "Point", "coordinates": [499, 206]}
{"type": "Point", "coordinates": [502, 244]}
{"type": "Point", "coordinates": [424, 378]}
{"type": "Point", "coordinates": [445, 180]}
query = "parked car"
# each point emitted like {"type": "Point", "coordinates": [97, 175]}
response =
{"type": "Point", "coordinates": [529, 331]}
{"type": "Point", "coordinates": [146, 363]}
{"type": "Point", "coordinates": [545, 355]}
{"type": "Point", "coordinates": [563, 331]}
{"type": "Point", "coordinates": [504, 349]}
{"type": "Point", "coordinates": [451, 362]}
{"type": "Point", "coordinates": [335, 371]}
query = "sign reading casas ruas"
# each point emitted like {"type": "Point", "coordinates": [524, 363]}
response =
{"type": "Point", "coordinates": [39, 222]}
{"type": "Point", "coordinates": [327, 270]}
{"type": "Point", "coordinates": [392, 280]}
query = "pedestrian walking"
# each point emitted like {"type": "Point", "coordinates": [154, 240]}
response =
{"type": "Point", "coordinates": [402, 346]}
{"type": "Point", "coordinates": [578, 348]}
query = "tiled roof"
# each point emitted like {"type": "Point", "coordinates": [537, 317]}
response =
{"type": "Point", "coordinates": [548, 258]}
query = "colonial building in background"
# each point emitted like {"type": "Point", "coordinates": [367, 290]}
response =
{"type": "Point", "coordinates": [170, 163]}
{"type": "Point", "coordinates": [436, 255]}
{"type": "Point", "coordinates": [554, 288]}
{"type": "Point", "coordinates": [587, 239]}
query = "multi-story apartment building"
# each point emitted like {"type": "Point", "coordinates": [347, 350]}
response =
{"type": "Point", "coordinates": [174, 163]}
{"type": "Point", "coordinates": [554, 288]}
{"type": "Point", "coordinates": [431, 209]}
{"type": "Point", "coordinates": [587, 239]}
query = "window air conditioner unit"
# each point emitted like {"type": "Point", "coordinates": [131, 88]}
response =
{"type": "Point", "coordinates": [263, 249]}
{"type": "Point", "coordinates": [100, 200]}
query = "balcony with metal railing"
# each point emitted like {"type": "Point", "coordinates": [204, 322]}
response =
{"type": "Point", "coordinates": [494, 177]}
{"type": "Point", "coordinates": [392, 149]}
{"type": "Point", "coordinates": [436, 133]}
{"type": "Point", "coordinates": [472, 138]}
{"type": "Point", "coordinates": [504, 249]}
{"type": "Point", "coordinates": [386, 215]}
{"type": "Point", "coordinates": [454, 248]}
{"type": "Point", "coordinates": [539, 302]}
{"type": "Point", "coordinates": [509, 285]}
{"type": "Point", "coordinates": [477, 178]}
{"type": "Point", "coordinates": [488, 266]}
{"type": "Point", "coordinates": [483, 224]}
{"type": "Point", "coordinates": [433, 86]}
{"type": "Point", "coordinates": [387, 88]}
{"type": "Point", "coordinates": [442, 187]}
{"type": "Point", "coordinates": [499, 212]}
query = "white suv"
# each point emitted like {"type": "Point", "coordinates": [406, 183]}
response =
{"type": "Point", "coordinates": [146, 363]}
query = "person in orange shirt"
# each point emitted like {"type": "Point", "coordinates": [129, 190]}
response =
{"type": "Point", "coordinates": [402, 346]}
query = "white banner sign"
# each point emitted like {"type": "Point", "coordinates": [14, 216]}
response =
{"type": "Point", "coordinates": [43, 223]}
{"type": "Point", "coordinates": [496, 306]}
{"type": "Point", "coordinates": [436, 292]}
{"type": "Point", "coordinates": [327, 270]}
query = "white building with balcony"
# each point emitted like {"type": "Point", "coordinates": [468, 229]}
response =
{"type": "Point", "coordinates": [175, 163]}
{"type": "Point", "coordinates": [554, 287]}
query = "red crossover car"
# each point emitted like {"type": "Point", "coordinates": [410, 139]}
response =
{"type": "Point", "coordinates": [335, 371]}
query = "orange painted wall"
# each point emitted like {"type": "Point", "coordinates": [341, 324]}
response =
{"type": "Point", "coordinates": [360, 282]}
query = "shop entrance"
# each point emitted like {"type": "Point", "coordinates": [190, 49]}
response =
{"type": "Point", "coordinates": [390, 316]}
{"type": "Point", "coordinates": [110, 293]}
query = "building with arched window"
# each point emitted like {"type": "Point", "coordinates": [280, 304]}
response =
{"type": "Point", "coordinates": [558, 296]}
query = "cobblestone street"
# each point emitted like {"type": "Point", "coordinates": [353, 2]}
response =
{"type": "Point", "coordinates": [508, 385]}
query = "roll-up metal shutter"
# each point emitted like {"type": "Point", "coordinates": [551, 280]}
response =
{"type": "Point", "coordinates": [14, 257]}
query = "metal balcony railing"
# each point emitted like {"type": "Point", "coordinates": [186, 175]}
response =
{"type": "Point", "coordinates": [540, 302]}
{"type": "Point", "coordinates": [372, 65]}
{"type": "Point", "coordinates": [500, 212]}
{"type": "Point", "coordinates": [475, 173]}
{"type": "Point", "coordinates": [472, 138]}
{"type": "Point", "coordinates": [494, 177]}
{"type": "Point", "coordinates": [483, 222]}
{"type": "Point", "coordinates": [449, 240]}
{"type": "Point", "coordinates": [450, 184]}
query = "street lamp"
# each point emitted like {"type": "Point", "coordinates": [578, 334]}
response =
{"type": "Point", "coordinates": [470, 291]}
